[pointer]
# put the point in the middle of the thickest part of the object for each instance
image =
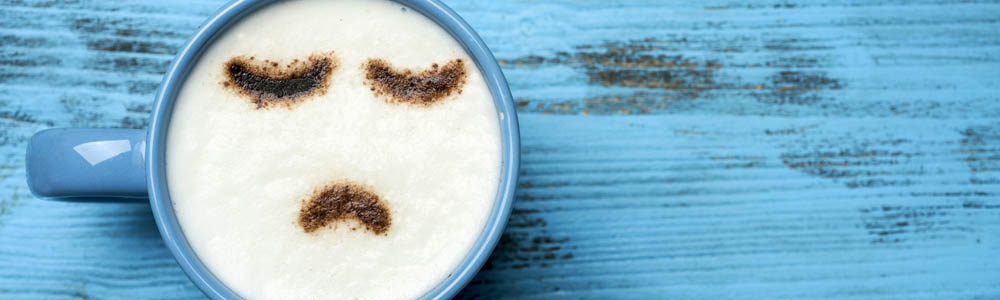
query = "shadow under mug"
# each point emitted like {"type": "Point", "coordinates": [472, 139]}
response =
{"type": "Point", "coordinates": [79, 164]}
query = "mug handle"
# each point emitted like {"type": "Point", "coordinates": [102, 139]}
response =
{"type": "Point", "coordinates": [87, 164]}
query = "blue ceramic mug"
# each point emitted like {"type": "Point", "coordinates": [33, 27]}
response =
{"type": "Point", "coordinates": [108, 164]}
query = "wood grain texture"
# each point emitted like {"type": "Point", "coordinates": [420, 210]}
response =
{"type": "Point", "coordinates": [701, 149]}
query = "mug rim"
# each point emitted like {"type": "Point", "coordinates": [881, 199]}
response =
{"type": "Point", "coordinates": [231, 13]}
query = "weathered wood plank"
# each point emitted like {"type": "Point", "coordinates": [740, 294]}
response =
{"type": "Point", "coordinates": [702, 149]}
{"type": "Point", "coordinates": [808, 208]}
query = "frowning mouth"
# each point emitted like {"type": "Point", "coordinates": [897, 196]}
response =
{"type": "Point", "coordinates": [342, 202]}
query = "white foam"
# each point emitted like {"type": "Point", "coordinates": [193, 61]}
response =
{"type": "Point", "coordinates": [237, 175]}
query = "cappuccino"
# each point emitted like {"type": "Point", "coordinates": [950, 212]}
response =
{"type": "Point", "coordinates": [333, 150]}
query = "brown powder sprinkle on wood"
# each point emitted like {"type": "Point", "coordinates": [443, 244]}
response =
{"type": "Point", "coordinates": [420, 88]}
{"type": "Point", "coordinates": [341, 202]}
{"type": "Point", "coordinates": [267, 83]}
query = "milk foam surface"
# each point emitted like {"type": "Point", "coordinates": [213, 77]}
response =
{"type": "Point", "coordinates": [238, 175]}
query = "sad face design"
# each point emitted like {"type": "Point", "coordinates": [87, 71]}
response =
{"type": "Point", "coordinates": [267, 84]}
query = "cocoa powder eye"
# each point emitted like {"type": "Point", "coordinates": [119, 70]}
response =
{"type": "Point", "coordinates": [266, 83]}
{"type": "Point", "coordinates": [424, 87]}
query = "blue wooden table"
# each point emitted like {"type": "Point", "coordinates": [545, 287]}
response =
{"type": "Point", "coordinates": [698, 149]}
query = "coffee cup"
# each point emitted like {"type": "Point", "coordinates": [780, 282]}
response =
{"type": "Point", "coordinates": [106, 165]}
